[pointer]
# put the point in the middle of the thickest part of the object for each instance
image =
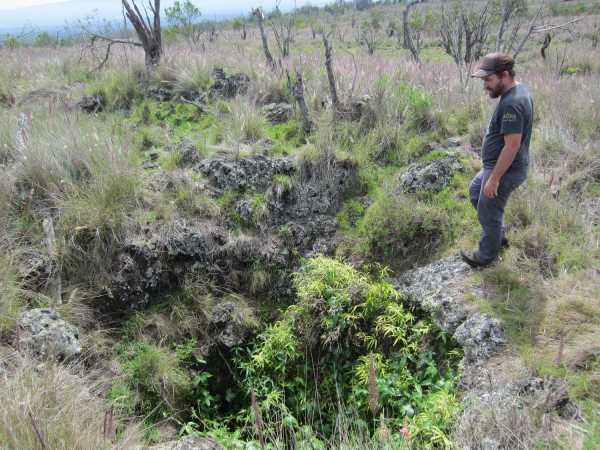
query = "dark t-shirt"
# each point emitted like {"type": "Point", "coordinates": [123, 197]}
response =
{"type": "Point", "coordinates": [513, 114]}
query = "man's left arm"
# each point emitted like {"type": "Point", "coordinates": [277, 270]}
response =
{"type": "Point", "coordinates": [512, 129]}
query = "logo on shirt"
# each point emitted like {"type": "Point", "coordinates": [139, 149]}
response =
{"type": "Point", "coordinates": [509, 117]}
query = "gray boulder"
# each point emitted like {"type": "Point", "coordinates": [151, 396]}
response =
{"type": "Point", "coordinates": [227, 324]}
{"type": "Point", "coordinates": [480, 336]}
{"type": "Point", "coordinates": [189, 154]}
{"type": "Point", "coordinates": [278, 112]}
{"type": "Point", "coordinates": [430, 176]}
{"type": "Point", "coordinates": [437, 288]}
{"type": "Point", "coordinates": [188, 443]}
{"type": "Point", "coordinates": [45, 335]}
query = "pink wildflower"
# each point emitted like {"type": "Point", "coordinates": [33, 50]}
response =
{"type": "Point", "coordinates": [405, 433]}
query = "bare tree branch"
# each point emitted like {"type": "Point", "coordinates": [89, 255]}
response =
{"type": "Point", "coordinates": [148, 30]}
{"type": "Point", "coordinates": [257, 12]}
{"type": "Point", "coordinates": [407, 34]}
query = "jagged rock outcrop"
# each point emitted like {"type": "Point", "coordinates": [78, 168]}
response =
{"type": "Point", "coordinates": [228, 86]}
{"type": "Point", "coordinates": [91, 104]}
{"type": "Point", "coordinates": [157, 260]}
{"type": "Point", "coordinates": [497, 389]}
{"type": "Point", "coordinates": [438, 288]}
{"type": "Point", "coordinates": [188, 443]}
{"type": "Point", "coordinates": [188, 154]}
{"type": "Point", "coordinates": [254, 173]}
{"type": "Point", "coordinates": [278, 112]}
{"type": "Point", "coordinates": [430, 176]}
{"type": "Point", "coordinates": [44, 335]}
{"type": "Point", "coordinates": [297, 217]}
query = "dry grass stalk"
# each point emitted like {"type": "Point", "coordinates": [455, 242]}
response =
{"type": "Point", "coordinates": [561, 349]}
{"type": "Point", "coordinates": [109, 429]}
{"type": "Point", "coordinates": [38, 431]}
{"type": "Point", "coordinates": [383, 432]}
{"type": "Point", "coordinates": [258, 421]}
{"type": "Point", "coordinates": [372, 387]}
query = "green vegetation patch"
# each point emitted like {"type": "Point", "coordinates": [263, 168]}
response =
{"type": "Point", "coordinates": [348, 338]}
{"type": "Point", "coordinates": [286, 137]}
{"type": "Point", "coordinates": [399, 230]}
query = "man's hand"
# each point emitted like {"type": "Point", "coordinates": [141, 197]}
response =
{"type": "Point", "coordinates": [490, 190]}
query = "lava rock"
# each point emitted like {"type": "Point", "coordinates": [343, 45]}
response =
{"type": "Point", "coordinates": [227, 328]}
{"type": "Point", "coordinates": [480, 336]}
{"type": "Point", "coordinates": [229, 86]}
{"type": "Point", "coordinates": [189, 154]}
{"type": "Point", "coordinates": [430, 176]}
{"type": "Point", "coordinates": [37, 270]}
{"type": "Point", "coordinates": [160, 93]}
{"type": "Point", "coordinates": [45, 335]}
{"type": "Point", "coordinates": [91, 104]}
{"type": "Point", "coordinates": [188, 443]}
{"type": "Point", "coordinates": [434, 288]}
{"type": "Point", "coordinates": [254, 173]}
{"type": "Point", "coordinates": [278, 112]}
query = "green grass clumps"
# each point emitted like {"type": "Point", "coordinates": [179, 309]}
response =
{"type": "Point", "coordinates": [117, 90]}
{"type": "Point", "coordinates": [286, 137]}
{"type": "Point", "coordinates": [550, 236]}
{"type": "Point", "coordinates": [399, 230]}
{"type": "Point", "coordinates": [350, 214]}
{"type": "Point", "coordinates": [93, 220]}
{"type": "Point", "coordinates": [159, 382]}
{"type": "Point", "coordinates": [11, 294]}
{"type": "Point", "coordinates": [353, 338]}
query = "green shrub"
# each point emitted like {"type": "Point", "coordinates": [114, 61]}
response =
{"type": "Point", "coordinates": [415, 107]}
{"type": "Point", "coordinates": [12, 42]}
{"type": "Point", "coordinates": [154, 382]}
{"type": "Point", "coordinates": [324, 343]}
{"type": "Point", "coordinates": [352, 211]}
{"type": "Point", "coordinates": [399, 230]}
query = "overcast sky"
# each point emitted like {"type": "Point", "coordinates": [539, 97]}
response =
{"type": "Point", "coordinates": [54, 13]}
{"type": "Point", "coordinates": [15, 4]}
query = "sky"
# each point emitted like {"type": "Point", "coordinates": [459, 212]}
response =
{"type": "Point", "coordinates": [44, 14]}
{"type": "Point", "coordinates": [15, 4]}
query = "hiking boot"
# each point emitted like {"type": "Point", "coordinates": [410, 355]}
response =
{"type": "Point", "coordinates": [473, 260]}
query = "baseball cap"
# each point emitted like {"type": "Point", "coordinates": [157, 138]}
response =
{"type": "Point", "coordinates": [493, 63]}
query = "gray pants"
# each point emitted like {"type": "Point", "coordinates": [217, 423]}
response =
{"type": "Point", "coordinates": [490, 211]}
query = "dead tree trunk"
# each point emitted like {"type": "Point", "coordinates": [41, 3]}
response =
{"type": "Point", "coordinates": [408, 41]}
{"type": "Point", "coordinates": [148, 30]}
{"type": "Point", "coordinates": [330, 75]}
{"type": "Point", "coordinates": [298, 93]}
{"type": "Point", "coordinates": [260, 17]}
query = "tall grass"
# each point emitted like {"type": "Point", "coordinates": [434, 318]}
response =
{"type": "Point", "coordinates": [81, 173]}
{"type": "Point", "coordinates": [51, 407]}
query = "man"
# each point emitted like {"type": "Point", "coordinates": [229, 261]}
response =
{"type": "Point", "coordinates": [505, 154]}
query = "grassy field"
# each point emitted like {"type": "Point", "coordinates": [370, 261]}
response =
{"type": "Point", "coordinates": [84, 172]}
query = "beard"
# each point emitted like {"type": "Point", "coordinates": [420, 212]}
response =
{"type": "Point", "coordinates": [497, 92]}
